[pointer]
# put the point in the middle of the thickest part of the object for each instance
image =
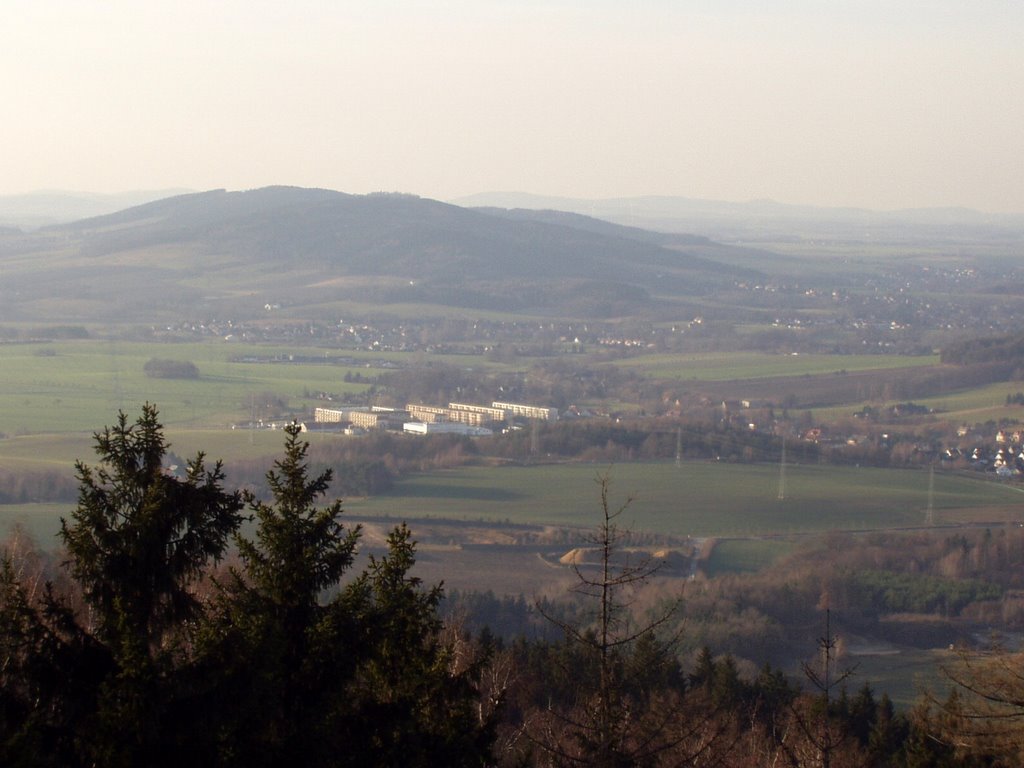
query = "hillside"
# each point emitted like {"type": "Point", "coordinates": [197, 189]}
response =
{"type": "Point", "coordinates": [300, 247]}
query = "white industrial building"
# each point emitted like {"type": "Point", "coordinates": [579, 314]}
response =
{"type": "Point", "coordinates": [444, 428]}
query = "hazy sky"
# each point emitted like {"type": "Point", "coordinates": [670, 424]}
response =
{"type": "Point", "coordinates": [879, 104]}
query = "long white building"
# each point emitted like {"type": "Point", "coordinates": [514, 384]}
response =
{"type": "Point", "coordinates": [528, 411]}
{"type": "Point", "coordinates": [444, 428]}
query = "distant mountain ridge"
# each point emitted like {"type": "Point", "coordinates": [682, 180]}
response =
{"type": "Point", "coordinates": [403, 235]}
{"type": "Point", "coordinates": [39, 209]}
{"type": "Point", "coordinates": [299, 246]}
{"type": "Point", "coordinates": [716, 217]}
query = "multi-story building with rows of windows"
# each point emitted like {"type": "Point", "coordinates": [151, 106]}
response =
{"type": "Point", "coordinates": [528, 411]}
{"type": "Point", "coordinates": [428, 414]}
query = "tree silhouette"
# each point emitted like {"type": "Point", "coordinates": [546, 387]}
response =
{"type": "Point", "coordinates": [277, 663]}
{"type": "Point", "coordinates": [824, 736]}
{"type": "Point", "coordinates": [99, 686]}
{"type": "Point", "coordinates": [320, 673]}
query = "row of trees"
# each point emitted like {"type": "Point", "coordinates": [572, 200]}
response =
{"type": "Point", "coordinates": [28, 487]}
{"type": "Point", "coordinates": [161, 368]}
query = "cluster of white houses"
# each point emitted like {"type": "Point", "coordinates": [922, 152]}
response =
{"type": "Point", "coordinates": [457, 418]}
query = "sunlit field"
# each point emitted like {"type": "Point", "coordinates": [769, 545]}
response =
{"type": "Point", "coordinates": [700, 499]}
{"type": "Point", "coordinates": [745, 555]}
{"type": "Point", "coordinates": [975, 405]}
{"type": "Point", "coordinates": [79, 386]}
{"type": "Point", "coordinates": [723, 366]}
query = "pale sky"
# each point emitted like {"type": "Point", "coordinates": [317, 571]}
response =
{"type": "Point", "coordinates": [872, 103]}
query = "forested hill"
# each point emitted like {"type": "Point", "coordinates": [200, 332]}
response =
{"type": "Point", "coordinates": [228, 254]}
{"type": "Point", "coordinates": [392, 234]}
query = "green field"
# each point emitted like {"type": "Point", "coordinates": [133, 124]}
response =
{"type": "Point", "coordinates": [41, 521]}
{"type": "Point", "coordinates": [728, 366]}
{"type": "Point", "coordinates": [54, 395]}
{"type": "Point", "coordinates": [745, 555]}
{"type": "Point", "coordinates": [77, 386]}
{"type": "Point", "coordinates": [904, 674]}
{"type": "Point", "coordinates": [67, 387]}
{"type": "Point", "coordinates": [967, 406]}
{"type": "Point", "coordinates": [980, 403]}
{"type": "Point", "coordinates": [700, 499]}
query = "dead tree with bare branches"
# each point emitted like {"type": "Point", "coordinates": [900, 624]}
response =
{"type": "Point", "coordinates": [624, 715]}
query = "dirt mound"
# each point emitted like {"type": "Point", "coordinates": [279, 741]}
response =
{"type": "Point", "coordinates": [666, 560]}
{"type": "Point", "coordinates": [576, 557]}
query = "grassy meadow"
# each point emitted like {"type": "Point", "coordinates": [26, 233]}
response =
{"type": "Point", "coordinates": [695, 499]}
{"type": "Point", "coordinates": [729, 366]}
{"type": "Point", "coordinates": [700, 499]}
{"type": "Point", "coordinates": [745, 555]}
{"type": "Point", "coordinates": [976, 405]}
{"type": "Point", "coordinates": [40, 521]}
{"type": "Point", "coordinates": [77, 386]}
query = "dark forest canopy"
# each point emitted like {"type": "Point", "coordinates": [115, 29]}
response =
{"type": "Point", "coordinates": [1006, 350]}
{"type": "Point", "coordinates": [160, 368]}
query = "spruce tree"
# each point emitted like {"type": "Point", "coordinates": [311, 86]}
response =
{"type": "Point", "coordinates": [283, 657]}
{"type": "Point", "coordinates": [284, 664]}
{"type": "Point", "coordinates": [316, 672]}
{"type": "Point", "coordinates": [101, 685]}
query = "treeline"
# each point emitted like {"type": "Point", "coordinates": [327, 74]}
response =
{"type": "Point", "coordinates": [1005, 350]}
{"type": "Point", "coordinates": [710, 715]}
{"type": "Point", "coordinates": [160, 368]}
{"type": "Point", "coordinates": [878, 585]}
{"type": "Point", "coordinates": [370, 464]}
{"type": "Point", "coordinates": [400, 453]}
{"type": "Point", "coordinates": [355, 478]}
{"type": "Point", "coordinates": [605, 441]}
{"type": "Point", "coordinates": [889, 592]}
{"type": "Point", "coordinates": [35, 487]}
{"type": "Point", "coordinates": [693, 707]}
{"type": "Point", "coordinates": [613, 690]}
{"type": "Point", "coordinates": [509, 617]}
{"type": "Point", "coordinates": [557, 382]}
